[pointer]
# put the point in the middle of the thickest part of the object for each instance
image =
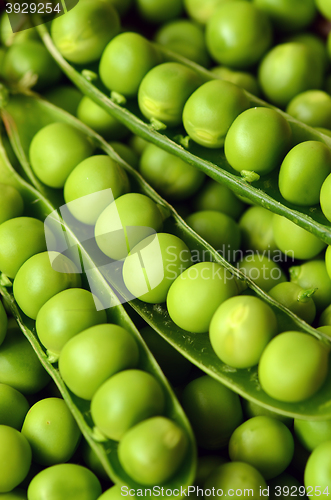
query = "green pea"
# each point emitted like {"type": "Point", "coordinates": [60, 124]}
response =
{"type": "Point", "coordinates": [114, 493]}
{"type": "Point", "coordinates": [164, 257]}
{"type": "Point", "coordinates": [64, 481]}
{"type": "Point", "coordinates": [19, 365]}
{"type": "Point", "coordinates": [215, 196]}
{"type": "Point", "coordinates": [214, 411]}
{"type": "Point", "coordinates": [295, 298]}
{"type": "Point", "coordinates": [252, 409]}
{"type": "Point", "coordinates": [303, 172]}
{"type": "Point", "coordinates": [93, 462]}
{"type": "Point", "coordinates": [113, 347]}
{"type": "Point", "coordinates": [210, 111]}
{"type": "Point", "coordinates": [243, 79]}
{"type": "Point", "coordinates": [240, 330]}
{"type": "Point", "coordinates": [83, 33]}
{"type": "Point", "coordinates": [20, 239]}
{"type": "Point", "coordinates": [65, 315]}
{"type": "Point", "coordinates": [138, 144]}
{"type": "Point", "coordinates": [164, 90]}
{"type": "Point", "coordinates": [328, 260]}
{"type": "Point", "coordinates": [185, 37]}
{"type": "Point", "coordinates": [125, 222]}
{"type": "Point", "coordinates": [95, 117]}
{"type": "Point", "coordinates": [175, 367]}
{"type": "Point", "coordinates": [325, 197]}
{"type": "Point", "coordinates": [125, 61]}
{"type": "Point", "coordinates": [127, 153]}
{"type": "Point", "coordinates": [312, 107]}
{"type": "Point", "coordinates": [196, 294]}
{"type": "Point", "coordinates": [88, 187]}
{"type": "Point", "coordinates": [325, 317]}
{"type": "Point", "coordinates": [318, 471]}
{"type": "Point", "coordinates": [8, 37]}
{"type": "Point", "coordinates": [243, 147]}
{"type": "Point", "coordinates": [11, 203]}
{"type": "Point", "coordinates": [202, 10]}
{"type": "Point", "coordinates": [238, 34]}
{"type": "Point", "coordinates": [315, 43]}
{"type": "Point", "coordinates": [152, 451]}
{"type": "Point", "coordinates": [263, 271]}
{"type": "Point", "coordinates": [66, 97]}
{"type": "Point", "coordinates": [287, 70]}
{"type": "Point", "coordinates": [293, 367]}
{"type": "Point", "coordinates": [30, 59]}
{"type": "Point", "coordinates": [16, 494]}
{"type": "Point", "coordinates": [295, 241]}
{"type": "Point", "coordinates": [207, 464]}
{"type": "Point", "coordinates": [169, 175]}
{"type": "Point", "coordinates": [256, 229]}
{"type": "Point", "coordinates": [56, 150]}
{"type": "Point", "coordinates": [37, 281]}
{"type": "Point", "coordinates": [125, 399]}
{"type": "Point", "coordinates": [263, 442]}
{"type": "Point", "coordinates": [313, 275]}
{"type": "Point", "coordinates": [51, 432]}
{"type": "Point", "coordinates": [293, 15]}
{"type": "Point", "coordinates": [3, 323]}
{"type": "Point", "coordinates": [219, 230]}
{"type": "Point", "coordinates": [15, 458]}
{"type": "Point", "coordinates": [159, 11]}
{"type": "Point", "coordinates": [235, 476]}
{"type": "Point", "coordinates": [324, 7]}
{"type": "Point", "coordinates": [312, 433]}
{"type": "Point", "coordinates": [13, 407]}
{"type": "Point", "coordinates": [282, 484]}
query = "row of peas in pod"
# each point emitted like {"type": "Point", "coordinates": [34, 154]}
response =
{"type": "Point", "coordinates": [63, 311]}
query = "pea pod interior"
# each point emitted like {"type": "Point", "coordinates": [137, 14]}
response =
{"type": "Point", "coordinates": [20, 117]}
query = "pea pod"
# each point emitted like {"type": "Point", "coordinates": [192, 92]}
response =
{"type": "Point", "coordinates": [40, 207]}
{"type": "Point", "coordinates": [21, 126]}
{"type": "Point", "coordinates": [264, 192]}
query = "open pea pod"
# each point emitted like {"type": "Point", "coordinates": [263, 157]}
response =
{"type": "Point", "coordinates": [19, 116]}
{"type": "Point", "coordinates": [36, 205]}
{"type": "Point", "coordinates": [264, 192]}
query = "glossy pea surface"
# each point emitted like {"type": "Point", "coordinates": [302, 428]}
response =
{"type": "Point", "coordinates": [55, 151]}
{"type": "Point", "coordinates": [82, 34]}
{"type": "Point", "coordinates": [125, 222]}
{"type": "Point", "coordinates": [38, 280]}
{"type": "Point", "coordinates": [125, 61]}
{"type": "Point", "coordinates": [313, 274]}
{"type": "Point", "coordinates": [263, 442]}
{"type": "Point", "coordinates": [303, 172]}
{"type": "Point", "coordinates": [243, 79]}
{"type": "Point", "coordinates": [169, 175]}
{"type": "Point", "coordinates": [88, 187]}
{"type": "Point", "coordinates": [19, 365]}
{"type": "Point", "coordinates": [325, 197]}
{"type": "Point", "coordinates": [13, 407]}
{"type": "Point", "coordinates": [317, 472]}
{"type": "Point", "coordinates": [244, 148]}
{"type": "Point", "coordinates": [11, 203]}
{"type": "Point", "coordinates": [237, 476]}
{"type": "Point", "coordinates": [196, 294]}
{"type": "Point", "coordinates": [125, 399]}
{"type": "Point", "coordinates": [293, 367]}
{"type": "Point", "coordinates": [160, 11]}
{"type": "Point", "coordinates": [15, 458]}
{"type": "Point", "coordinates": [312, 107]}
{"type": "Point", "coordinates": [295, 298]}
{"type": "Point", "coordinates": [240, 330]}
{"type": "Point", "coordinates": [295, 241]}
{"type": "Point", "coordinates": [94, 355]}
{"type": "Point", "coordinates": [256, 229]}
{"type": "Point", "coordinates": [65, 315]}
{"type": "Point", "coordinates": [99, 120]}
{"type": "Point", "coordinates": [312, 433]}
{"type": "Point", "coordinates": [214, 411]}
{"type": "Point", "coordinates": [20, 239]}
{"type": "Point", "coordinates": [152, 451]}
{"type": "Point", "coordinates": [164, 257]}
{"type": "Point", "coordinates": [210, 111]}
{"type": "Point", "coordinates": [51, 431]}
{"type": "Point", "coordinates": [263, 271]}
{"type": "Point", "coordinates": [164, 90]}
{"type": "Point", "coordinates": [64, 481]}
{"type": "Point", "coordinates": [238, 34]}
